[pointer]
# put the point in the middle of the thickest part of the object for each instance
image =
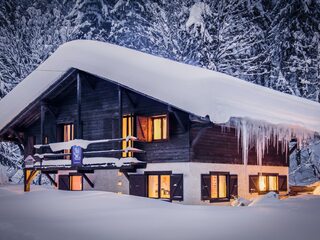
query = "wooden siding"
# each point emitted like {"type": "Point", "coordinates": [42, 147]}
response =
{"type": "Point", "coordinates": [217, 145]}
{"type": "Point", "coordinates": [100, 119]}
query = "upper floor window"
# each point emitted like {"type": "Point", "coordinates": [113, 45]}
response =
{"type": "Point", "coordinates": [153, 128]}
{"type": "Point", "coordinates": [159, 127]}
{"type": "Point", "coordinates": [68, 132]}
{"type": "Point", "coordinates": [127, 130]}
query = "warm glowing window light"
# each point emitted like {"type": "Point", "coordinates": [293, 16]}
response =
{"type": "Point", "coordinates": [127, 130]}
{"type": "Point", "coordinates": [76, 183]}
{"type": "Point", "coordinates": [218, 186]}
{"type": "Point", "coordinates": [268, 183]}
{"type": "Point", "coordinates": [165, 186]}
{"type": "Point", "coordinates": [68, 135]}
{"type": "Point", "coordinates": [153, 186]}
{"type": "Point", "coordinates": [263, 183]}
{"type": "Point", "coordinates": [273, 183]}
{"type": "Point", "coordinates": [159, 127]}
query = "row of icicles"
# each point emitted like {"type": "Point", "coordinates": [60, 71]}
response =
{"type": "Point", "coordinates": [261, 135]}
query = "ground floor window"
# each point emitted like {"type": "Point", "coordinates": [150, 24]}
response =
{"type": "Point", "coordinates": [70, 182]}
{"type": "Point", "coordinates": [267, 182]}
{"type": "Point", "coordinates": [159, 185]}
{"type": "Point", "coordinates": [218, 186]}
{"type": "Point", "coordinates": [76, 183]}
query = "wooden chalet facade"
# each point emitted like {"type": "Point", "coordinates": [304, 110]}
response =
{"type": "Point", "coordinates": [173, 154]}
{"type": "Point", "coordinates": [84, 106]}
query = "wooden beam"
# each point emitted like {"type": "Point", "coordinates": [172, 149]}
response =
{"type": "Point", "coordinates": [51, 179]}
{"type": "Point", "coordinates": [87, 179]}
{"type": "Point", "coordinates": [178, 118]}
{"type": "Point", "coordinates": [120, 116]}
{"type": "Point", "coordinates": [29, 175]}
{"type": "Point", "coordinates": [52, 110]}
{"type": "Point", "coordinates": [133, 104]}
{"type": "Point", "coordinates": [79, 127]}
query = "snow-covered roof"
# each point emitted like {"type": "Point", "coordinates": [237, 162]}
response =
{"type": "Point", "coordinates": [193, 89]}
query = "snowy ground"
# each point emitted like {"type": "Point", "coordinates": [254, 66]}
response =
{"type": "Point", "coordinates": [50, 214]}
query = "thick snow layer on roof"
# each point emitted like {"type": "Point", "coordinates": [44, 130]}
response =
{"type": "Point", "coordinates": [196, 90]}
{"type": "Point", "coordinates": [76, 215]}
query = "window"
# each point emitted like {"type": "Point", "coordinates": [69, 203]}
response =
{"type": "Point", "coordinates": [75, 183]}
{"type": "Point", "coordinates": [159, 128]}
{"type": "Point", "coordinates": [159, 186]}
{"type": "Point", "coordinates": [127, 130]}
{"type": "Point", "coordinates": [68, 132]}
{"type": "Point", "coordinates": [263, 183]}
{"type": "Point", "coordinates": [217, 186]}
{"type": "Point", "coordinates": [68, 135]}
{"type": "Point", "coordinates": [154, 128]}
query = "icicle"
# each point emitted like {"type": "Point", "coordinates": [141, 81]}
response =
{"type": "Point", "coordinates": [260, 135]}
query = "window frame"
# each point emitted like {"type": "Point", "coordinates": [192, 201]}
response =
{"type": "Point", "coordinates": [71, 175]}
{"type": "Point", "coordinates": [267, 175]}
{"type": "Point", "coordinates": [268, 186]}
{"type": "Point", "coordinates": [158, 174]}
{"type": "Point", "coordinates": [128, 118]}
{"type": "Point", "coordinates": [218, 199]}
{"type": "Point", "coordinates": [161, 117]}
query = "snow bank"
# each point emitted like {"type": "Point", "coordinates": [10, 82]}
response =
{"type": "Point", "coordinates": [52, 214]}
{"type": "Point", "coordinates": [266, 199]}
{"type": "Point", "coordinates": [198, 91]}
{"type": "Point", "coordinates": [240, 202]}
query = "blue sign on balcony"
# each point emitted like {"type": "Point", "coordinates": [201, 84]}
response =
{"type": "Point", "coordinates": [76, 155]}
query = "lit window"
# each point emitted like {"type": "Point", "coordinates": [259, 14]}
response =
{"type": "Point", "coordinates": [159, 127]}
{"type": "Point", "coordinates": [127, 130]}
{"type": "Point", "coordinates": [159, 186]}
{"type": "Point", "coordinates": [154, 128]}
{"type": "Point", "coordinates": [153, 186]}
{"type": "Point", "coordinates": [263, 183]}
{"type": "Point", "coordinates": [218, 186]}
{"type": "Point", "coordinates": [68, 135]}
{"type": "Point", "coordinates": [268, 183]}
{"type": "Point", "coordinates": [76, 183]}
{"type": "Point", "coordinates": [273, 183]}
{"type": "Point", "coordinates": [165, 186]}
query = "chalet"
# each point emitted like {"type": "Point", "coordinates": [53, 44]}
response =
{"type": "Point", "coordinates": [104, 117]}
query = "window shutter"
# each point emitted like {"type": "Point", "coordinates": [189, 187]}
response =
{"type": "Point", "coordinates": [205, 187]}
{"type": "Point", "coordinates": [176, 187]}
{"type": "Point", "coordinates": [142, 128]}
{"type": "Point", "coordinates": [64, 182]}
{"type": "Point", "coordinates": [282, 183]}
{"type": "Point", "coordinates": [233, 185]}
{"type": "Point", "coordinates": [253, 183]}
{"type": "Point", "coordinates": [137, 185]}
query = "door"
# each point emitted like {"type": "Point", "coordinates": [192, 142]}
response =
{"type": "Point", "coordinates": [64, 182]}
{"type": "Point", "coordinates": [137, 185]}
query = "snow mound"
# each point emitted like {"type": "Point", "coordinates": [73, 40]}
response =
{"type": "Point", "coordinates": [240, 202]}
{"type": "Point", "coordinates": [267, 199]}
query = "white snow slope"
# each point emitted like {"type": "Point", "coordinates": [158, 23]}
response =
{"type": "Point", "coordinates": [197, 90]}
{"type": "Point", "coordinates": [51, 215]}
